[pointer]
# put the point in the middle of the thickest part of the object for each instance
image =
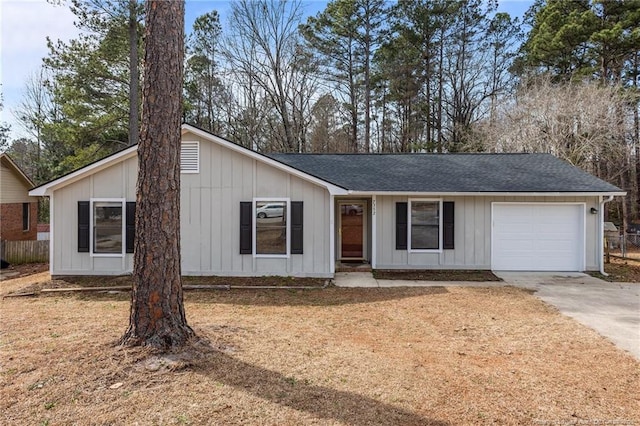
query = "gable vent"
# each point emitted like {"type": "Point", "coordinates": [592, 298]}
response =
{"type": "Point", "coordinates": [190, 157]}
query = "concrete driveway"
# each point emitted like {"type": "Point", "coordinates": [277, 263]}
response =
{"type": "Point", "coordinates": [612, 309]}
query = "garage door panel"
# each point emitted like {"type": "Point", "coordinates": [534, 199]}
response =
{"type": "Point", "coordinates": [517, 221]}
{"type": "Point", "coordinates": [553, 263]}
{"type": "Point", "coordinates": [556, 239]}
{"type": "Point", "coordinates": [559, 246]}
{"type": "Point", "coordinates": [517, 228]}
{"type": "Point", "coordinates": [519, 263]}
{"type": "Point", "coordinates": [538, 237]}
{"type": "Point", "coordinates": [523, 217]}
{"type": "Point", "coordinates": [555, 228]}
{"type": "Point", "coordinates": [517, 237]}
{"type": "Point", "coordinates": [516, 246]}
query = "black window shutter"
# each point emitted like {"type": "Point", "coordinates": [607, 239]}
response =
{"type": "Point", "coordinates": [296, 227]}
{"type": "Point", "coordinates": [401, 226]}
{"type": "Point", "coordinates": [246, 225]}
{"type": "Point", "coordinates": [447, 224]}
{"type": "Point", "coordinates": [130, 226]}
{"type": "Point", "coordinates": [83, 226]}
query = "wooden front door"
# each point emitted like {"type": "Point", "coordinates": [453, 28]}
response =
{"type": "Point", "coordinates": [352, 229]}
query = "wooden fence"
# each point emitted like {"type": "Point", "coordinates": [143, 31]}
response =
{"type": "Point", "coordinates": [16, 252]}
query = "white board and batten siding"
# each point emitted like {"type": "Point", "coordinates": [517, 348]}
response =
{"type": "Point", "coordinates": [211, 191]}
{"type": "Point", "coordinates": [210, 209]}
{"type": "Point", "coordinates": [116, 182]}
{"type": "Point", "coordinates": [473, 227]}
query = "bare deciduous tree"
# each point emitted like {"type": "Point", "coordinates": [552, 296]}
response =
{"type": "Point", "coordinates": [576, 122]}
{"type": "Point", "coordinates": [33, 111]}
{"type": "Point", "coordinates": [263, 49]}
{"type": "Point", "coordinates": [586, 124]}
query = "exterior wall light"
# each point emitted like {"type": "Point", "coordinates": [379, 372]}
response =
{"type": "Point", "coordinates": [594, 210]}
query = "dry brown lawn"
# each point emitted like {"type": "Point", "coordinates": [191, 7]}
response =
{"type": "Point", "coordinates": [441, 356]}
{"type": "Point", "coordinates": [622, 269]}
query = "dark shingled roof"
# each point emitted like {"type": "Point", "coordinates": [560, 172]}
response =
{"type": "Point", "coordinates": [447, 172]}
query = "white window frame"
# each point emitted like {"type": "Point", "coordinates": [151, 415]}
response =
{"type": "Point", "coordinates": [122, 202]}
{"type": "Point", "coordinates": [409, 225]}
{"type": "Point", "coordinates": [255, 224]}
{"type": "Point", "coordinates": [197, 170]}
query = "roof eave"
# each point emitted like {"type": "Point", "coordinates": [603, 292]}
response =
{"type": "Point", "coordinates": [48, 188]}
{"type": "Point", "coordinates": [491, 193]}
{"type": "Point", "coordinates": [26, 179]}
{"type": "Point", "coordinates": [333, 189]}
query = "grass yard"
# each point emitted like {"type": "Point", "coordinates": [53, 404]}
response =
{"type": "Point", "coordinates": [621, 269]}
{"type": "Point", "coordinates": [419, 356]}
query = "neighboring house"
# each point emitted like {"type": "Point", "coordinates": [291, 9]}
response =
{"type": "Point", "coordinates": [434, 211]}
{"type": "Point", "coordinates": [43, 231]}
{"type": "Point", "coordinates": [18, 210]}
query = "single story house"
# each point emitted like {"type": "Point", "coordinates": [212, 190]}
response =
{"type": "Point", "coordinates": [248, 214]}
{"type": "Point", "coordinates": [18, 211]}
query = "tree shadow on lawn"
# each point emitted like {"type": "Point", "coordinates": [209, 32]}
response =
{"type": "Point", "coordinates": [281, 297]}
{"type": "Point", "coordinates": [320, 401]}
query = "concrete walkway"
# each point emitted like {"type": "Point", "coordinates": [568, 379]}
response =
{"type": "Point", "coordinates": [365, 279]}
{"type": "Point", "coordinates": [611, 309]}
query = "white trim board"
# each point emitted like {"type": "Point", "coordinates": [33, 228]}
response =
{"type": "Point", "coordinates": [49, 187]}
{"type": "Point", "coordinates": [333, 189]}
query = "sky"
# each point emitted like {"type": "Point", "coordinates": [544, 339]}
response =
{"type": "Point", "coordinates": [25, 25]}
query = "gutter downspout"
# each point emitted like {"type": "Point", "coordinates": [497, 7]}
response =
{"type": "Point", "coordinates": [332, 235]}
{"type": "Point", "coordinates": [601, 225]}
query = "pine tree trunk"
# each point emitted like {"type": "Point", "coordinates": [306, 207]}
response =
{"type": "Point", "coordinates": [367, 79]}
{"type": "Point", "coordinates": [636, 134]}
{"type": "Point", "coordinates": [157, 315]}
{"type": "Point", "coordinates": [636, 144]}
{"type": "Point", "coordinates": [440, 139]}
{"type": "Point", "coordinates": [134, 124]}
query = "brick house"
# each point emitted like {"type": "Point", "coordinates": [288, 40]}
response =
{"type": "Point", "coordinates": [18, 211]}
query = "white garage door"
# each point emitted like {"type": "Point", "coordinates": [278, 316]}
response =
{"type": "Point", "coordinates": [537, 237]}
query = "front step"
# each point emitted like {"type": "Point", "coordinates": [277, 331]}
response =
{"type": "Point", "coordinates": [352, 267]}
{"type": "Point", "coordinates": [355, 279]}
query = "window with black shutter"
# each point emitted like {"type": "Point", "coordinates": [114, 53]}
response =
{"type": "Point", "coordinates": [106, 227]}
{"type": "Point", "coordinates": [424, 218]}
{"type": "Point", "coordinates": [420, 227]}
{"type": "Point", "coordinates": [271, 231]}
{"type": "Point", "coordinates": [264, 224]}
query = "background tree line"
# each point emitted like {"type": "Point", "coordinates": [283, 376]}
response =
{"type": "Point", "coordinates": [359, 76]}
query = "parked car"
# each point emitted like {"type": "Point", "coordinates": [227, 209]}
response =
{"type": "Point", "coordinates": [633, 228]}
{"type": "Point", "coordinates": [270, 210]}
{"type": "Point", "coordinates": [351, 209]}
